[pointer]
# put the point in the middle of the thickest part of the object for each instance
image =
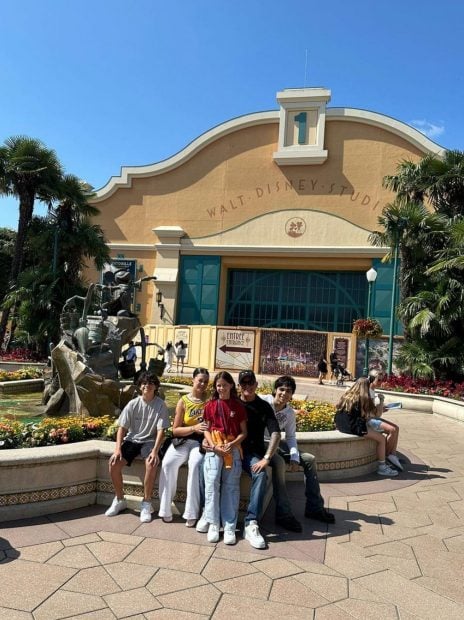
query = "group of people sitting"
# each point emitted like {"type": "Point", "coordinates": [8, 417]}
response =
{"type": "Point", "coordinates": [218, 438]}
{"type": "Point", "coordinates": [231, 433]}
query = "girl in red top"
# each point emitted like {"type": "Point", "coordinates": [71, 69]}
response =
{"type": "Point", "coordinates": [226, 418]}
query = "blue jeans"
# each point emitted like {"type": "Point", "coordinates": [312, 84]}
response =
{"type": "Point", "coordinates": [258, 488]}
{"type": "Point", "coordinates": [222, 490]}
{"type": "Point", "coordinates": [314, 500]}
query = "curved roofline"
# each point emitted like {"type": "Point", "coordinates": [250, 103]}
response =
{"type": "Point", "coordinates": [124, 180]}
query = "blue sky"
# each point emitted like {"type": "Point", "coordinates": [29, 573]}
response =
{"type": "Point", "coordinates": [112, 83]}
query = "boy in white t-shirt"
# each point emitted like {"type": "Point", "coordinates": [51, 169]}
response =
{"type": "Point", "coordinates": [141, 432]}
{"type": "Point", "coordinates": [284, 388]}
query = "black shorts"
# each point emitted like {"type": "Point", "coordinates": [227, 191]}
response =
{"type": "Point", "coordinates": [131, 450]}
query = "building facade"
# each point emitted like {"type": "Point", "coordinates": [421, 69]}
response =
{"type": "Point", "coordinates": [264, 220]}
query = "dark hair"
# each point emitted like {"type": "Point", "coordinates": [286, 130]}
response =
{"type": "Point", "coordinates": [169, 346]}
{"type": "Point", "coordinates": [148, 377]}
{"type": "Point", "coordinates": [228, 379]}
{"type": "Point", "coordinates": [180, 344]}
{"type": "Point", "coordinates": [285, 381]}
{"type": "Point", "coordinates": [200, 371]}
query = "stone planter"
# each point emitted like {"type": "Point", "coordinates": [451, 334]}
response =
{"type": "Point", "coordinates": [22, 387]}
{"type": "Point", "coordinates": [40, 481]}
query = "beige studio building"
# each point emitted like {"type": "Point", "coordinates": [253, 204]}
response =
{"type": "Point", "coordinates": [257, 233]}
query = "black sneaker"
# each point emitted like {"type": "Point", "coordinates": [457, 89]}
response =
{"type": "Point", "coordinates": [320, 515]}
{"type": "Point", "coordinates": [289, 522]}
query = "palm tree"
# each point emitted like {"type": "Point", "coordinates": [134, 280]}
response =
{"type": "Point", "coordinates": [75, 238]}
{"type": "Point", "coordinates": [437, 180]}
{"type": "Point", "coordinates": [28, 170]}
{"type": "Point", "coordinates": [416, 231]}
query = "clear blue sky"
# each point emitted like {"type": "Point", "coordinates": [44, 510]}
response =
{"type": "Point", "coordinates": [108, 83]}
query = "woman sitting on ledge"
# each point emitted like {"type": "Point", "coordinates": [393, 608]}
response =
{"type": "Point", "coordinates": [355, 409]}
{"type": "Point", "coordinates": [188, 429]}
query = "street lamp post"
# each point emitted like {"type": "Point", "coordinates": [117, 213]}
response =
{"type": "Point", "coordinates": [392, 310]}
{"type": "Point", "coordinates": [371, 276]}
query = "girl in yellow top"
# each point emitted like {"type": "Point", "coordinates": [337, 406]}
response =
{"type": "Point", "coordinates": [187, 430]}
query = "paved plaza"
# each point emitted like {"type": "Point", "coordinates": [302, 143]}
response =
{"type": "Point", "coordinates": [395, 552]}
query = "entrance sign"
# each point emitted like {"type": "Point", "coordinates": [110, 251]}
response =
{"type": "Point", "coordinates": [235, 348]}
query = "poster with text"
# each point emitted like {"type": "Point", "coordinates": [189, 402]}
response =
{"type": "Point", "coordinates": [235, 348]}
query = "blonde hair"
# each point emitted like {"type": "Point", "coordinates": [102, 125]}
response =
{"type": "Point", "coordinates": [359, 395]}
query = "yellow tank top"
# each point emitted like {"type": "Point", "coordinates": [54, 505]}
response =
{"type": "Point", "coordinates": [193, 411]}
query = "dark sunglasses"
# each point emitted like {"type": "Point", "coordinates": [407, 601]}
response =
{"type": "Point", "coordinates": [247, 382]}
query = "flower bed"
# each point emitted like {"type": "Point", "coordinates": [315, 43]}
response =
{"type": "Point", "coordinates": [54, 431]}
{"type": "Point", "coordinates": [21, 354]}
{"type": "Point", "coordinates": [408, 385]}
{"type": "Point", "coordinates": [20, 374]}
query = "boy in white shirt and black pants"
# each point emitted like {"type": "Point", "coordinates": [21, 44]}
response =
{"type": "Point", "coordinates": [284, 388]}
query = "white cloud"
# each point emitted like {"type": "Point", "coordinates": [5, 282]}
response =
{"type": "Point", "coordinates": [431, 130]}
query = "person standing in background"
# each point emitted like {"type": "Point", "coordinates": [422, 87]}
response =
{"type": "Point", "coordinates": [181, 352]}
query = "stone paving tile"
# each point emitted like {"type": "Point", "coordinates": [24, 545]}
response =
{"type": "Point", "coordinates": [393, 549]}
{"type": "Point", "coordinates": [101, 614]}
{"type": "Point", "coordinates": [200, 600]}
{"type": "Point", "coordinates": [277, 567]}
{"type": "Point", "coordinates": [454, 543]}
{"type": "Point", "coordinates": [92, 581]}
{"type": "Point", "coordinates": [330, 587]}
{"type": "Point", "coordinates": [37, 553]}
{"type": "Point", "coordinates": [408, 568]}
{"type": "Point", "coordinates": [331, 612]}
{"type": "Point", "coordinates": [451, 587]}
{"type": "Point", "coordinates": [174, 555]}
{"type": "Point", "coordinates": [25, 585]}
{"type": "Point", "coordinates": [132, 602]}
{"type": "Point", "coordinates": [81, 540]}
{"type": "Point", "coordinates": [369, 506]}
{"type": "Point", "coordinates": [289, 590]}
{"type": "Point", "coordinates": [238, 555]}
{"type": "Point", "coordinates": [346, 563]}
{"type": "Point", "coordinates": [442, 565]}
{"type": "Point", "coordinates": [130, 576]}
{"type": "Point", "coordinates": [173, 614]}
{"type": "Point", "coordinates": [412, 597]}
{"type": "Point", "coordinates": [368, 610]}
{"type": "Point", "coordinates": [166, 581]}
{"type": "Point", "coordinates": [247, 608]}
{"type": "Point", "coordinates": [123, 539]}
{"type": "Point", "coordinates": [109, 552]}
{"type": "Point", "coordinates": [255, 585]}
{"type": "Point", "coordinates": [315, 567]}
{"type": "Point", "coordinates": [27, 532]}
{"type": "Point", "coordinates": [74, 557]}
{"type": "Point", "coordinates": [92, 519]}
{"type": "Point", "coordinates": [14, 614]}
{"type": "Point", "coordinates": [218, 569]}
{"type": "Point", "coordinates": [63, 604]}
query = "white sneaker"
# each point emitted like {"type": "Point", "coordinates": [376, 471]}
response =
{"type": "Point", "coordinates": [251, 533]}
{"type": "Point", "coordinates": [394, 460]}
{"type": "Point", "coordinates": [145, 512]}
{"type": "Point", "coordinates": [190, 523]}
{"type": "Point", "coordinates": [386, 470]}
{"type": "Point", "coordinates": [116, 507]}
{"type": "Point", "coordinates": [213, 533]}
{"type": "Point", "coordinates": [229, 537]}
{"type": "Point", "coordinates": [202, 525]}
